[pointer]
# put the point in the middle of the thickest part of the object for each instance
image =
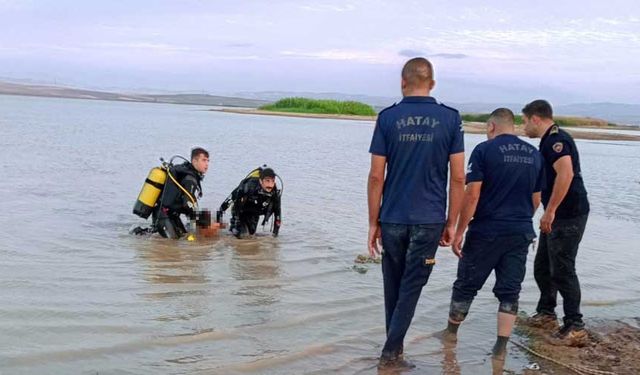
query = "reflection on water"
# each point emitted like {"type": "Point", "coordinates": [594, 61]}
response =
{"type": "Point", "coordinates": [80, 295]}
{"type": "Point", "coordinates": [254, 263]}
{"type": "Point", "coordinates": [166, 263]}
{"type": "Point", "coordinates": [450, 358]}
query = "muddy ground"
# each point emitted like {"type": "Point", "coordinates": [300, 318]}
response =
{"type": "Point", "coordinates": [612, 346]}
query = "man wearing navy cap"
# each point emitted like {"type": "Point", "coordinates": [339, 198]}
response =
{"type": "Point", "coordinates": [414, 141]}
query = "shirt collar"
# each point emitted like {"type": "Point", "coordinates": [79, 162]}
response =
{"type": "Point", "coordinates": [418, 99]}
{"type": "Point", "coordinates": [551, 129]}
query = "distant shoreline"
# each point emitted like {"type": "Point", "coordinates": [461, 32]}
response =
{"type": "Point", "coordinates": [469, 127]}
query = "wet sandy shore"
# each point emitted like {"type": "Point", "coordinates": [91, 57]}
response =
{"type": "Point", "coordinates": [612, 347]}
{"type": "Point", "coordinates": [470, 127]}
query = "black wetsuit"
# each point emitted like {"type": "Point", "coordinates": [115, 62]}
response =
{"type": "Point", "coordinates": [249, 202]}
{"type": "Point", "coordinates": [174, 202]}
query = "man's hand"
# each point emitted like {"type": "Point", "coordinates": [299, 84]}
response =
{"type": "Point", "coordinates": [447, 234]}
{"type": "Point", "coordinates": [374, 240]}
{"type": "Point", "coordinates": [456, 245]}
{"type": "Point", "coordinates": [546, 221]}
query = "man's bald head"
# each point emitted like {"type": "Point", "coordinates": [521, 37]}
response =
{"type": "Point", "coordinates": [417, 73]}
{"type": "Point", "coordinates": [501, 121]}
{"type": "Point", "coordinates": [502, 117]}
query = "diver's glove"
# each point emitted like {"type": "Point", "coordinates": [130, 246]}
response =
{"type": "Point", "coordinates": [224, 206]}
{"type": "Point", "coordinates": [276, 228]}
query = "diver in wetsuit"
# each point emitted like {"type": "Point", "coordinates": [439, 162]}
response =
{"type": "Point", "coordinates": [182, 199]}
{"type": "Point", "coordinates": [256, 195]}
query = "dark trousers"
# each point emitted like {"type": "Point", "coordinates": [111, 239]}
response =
{"type": "Point", "coordinates": [168, 224]}
{"type": "Point", "coordinates": [555, 268]}
{"type": "Point", "coordinates": [407, 261]}
{"type": "Point", "coordinates": [481, 255]}
{"type": "Point", "coordinates": [243, 224]}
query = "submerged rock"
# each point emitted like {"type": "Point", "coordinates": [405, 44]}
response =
{"type": "Point", "coordinates": [359, 268]}
{"type": "Point", "coordinates": [366, 258]}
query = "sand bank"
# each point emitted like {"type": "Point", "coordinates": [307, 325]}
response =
{"type": "Point", "coordinates": [469, 127]}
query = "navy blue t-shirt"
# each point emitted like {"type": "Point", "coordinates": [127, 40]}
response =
{"type": "Point", "coordinates": [416, 136]}
{"type": "Point", "coordinates": [511, 171]}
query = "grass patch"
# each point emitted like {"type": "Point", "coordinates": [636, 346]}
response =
{"type": "Point", "coordinates": [560, 120]}
{"type": "Point", "coordinates": [320, 106]}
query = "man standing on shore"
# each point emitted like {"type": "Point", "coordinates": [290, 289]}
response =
{"type": "Point", "coordinates": [566, 209]}
{"type": "Point", "coordinates": [415, 141]}
{"type": "Point", "coordinates": [504, 177]}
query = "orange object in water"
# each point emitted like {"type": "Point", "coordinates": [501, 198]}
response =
{"type": "Point", "coordinates": [210, 231]}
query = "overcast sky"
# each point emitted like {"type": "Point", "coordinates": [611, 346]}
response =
{"type": "Point", "coordinates": [483, 51]}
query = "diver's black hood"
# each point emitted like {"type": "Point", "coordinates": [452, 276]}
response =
{"type": "Point", "coordinates": [187, 168]}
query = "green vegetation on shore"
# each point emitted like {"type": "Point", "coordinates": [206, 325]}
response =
{"type": "Point", "coordinates": [334, 107]}
{"type": "Point", "coordinates": [560, 120]}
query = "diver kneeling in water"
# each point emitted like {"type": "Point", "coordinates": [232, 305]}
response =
{"type": "Point", "coordinates": [256, 195]}
{"type": "Point", "coordinates": [168, 198]}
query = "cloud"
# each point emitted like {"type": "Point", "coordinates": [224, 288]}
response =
{"type": "Point", "coordinates": [411, 53]}
{"type": "Point", "coordinates": [377, 56]}
{"type": "Point", "coordinates": [129, 31]}
{"type": "Point", "coordinates": [543, 38]}
{"type": "Point", "coordinates": [328, 7]}
{"type": "Point", "coordinates": [344, 55]}
{"type": "Point", "coordinates": [450, 55]}
{"type": "Point", "coordinates": [239, 45]}
{"type": "Point", "coordinates": [15, 5]}
{"type": "Point", "coordinates": [418, 53]}
{"type": "Point", "coordinates": [159, 47]}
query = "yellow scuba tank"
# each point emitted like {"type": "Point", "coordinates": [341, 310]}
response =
{"type": "Point", "coordinates": [254, 173]}
{"type": "Point", "coordinates": [150, 192]}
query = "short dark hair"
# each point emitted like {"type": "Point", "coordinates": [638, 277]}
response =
{"type": "Point", "coordinates": [540, 108]}
{"type": "Point", "coordinates": [417, 71]}
{"type": "Point", "coordinates": [267, 172]}
{"type": "Point", "coordinates": [197, 151]}
{"type": "Point", "coordinates": [504, 116]}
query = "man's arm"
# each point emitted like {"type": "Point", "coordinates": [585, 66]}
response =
{"type": "Point", "coordinates": [456, 194]}
{"type": "Point", "coordinates": [470, 202]}
{"type": "Point", "coordinates": [536, 197]}
{"type": "Point", "coordinates": [233, 197]}
{"type": "Point", "coordinates": [375, 186]}
{"type": "Point", "coordinates": [564, 175]}
{"type": "Point", "coordinates": [276, 214]}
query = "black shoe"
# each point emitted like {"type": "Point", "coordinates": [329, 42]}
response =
{"type": "Point", "coordinates": [570, 335]}
{"type": "Point", "coordinates": [543, 320]}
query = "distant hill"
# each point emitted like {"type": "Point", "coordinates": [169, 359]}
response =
{"type": "Point", "coordinates": [628, 114]}
{"type": "Point", "coordinates": [8, 88]}
{"type": "Point", "coordinates": [625, 114]}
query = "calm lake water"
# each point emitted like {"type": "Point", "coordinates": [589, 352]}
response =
{"type": "Point", "coordinates": [79, 295]}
